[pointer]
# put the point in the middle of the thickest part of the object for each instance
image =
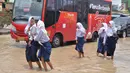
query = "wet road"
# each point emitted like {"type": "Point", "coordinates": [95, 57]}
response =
{"type": "Point", "coordinates": [65, 59]}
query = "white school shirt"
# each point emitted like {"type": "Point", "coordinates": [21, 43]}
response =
{"type": "Point", "coordinates": [79, 33]}
{"type": "Point", "coordinates": [110, 32]}
{"type": "Point", "coordinates": [41, 37]}
{"type": "Point", "coordinates": [102, 32]}
{"type": "Point", "coordinates": [32, 33]}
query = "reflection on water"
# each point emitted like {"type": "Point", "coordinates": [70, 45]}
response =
{"type": "Point", "coordinates": [122, 56]}
{"type": "Point", "coordinates": [65, 59]}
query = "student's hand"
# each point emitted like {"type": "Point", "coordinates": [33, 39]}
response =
{"type": "Point", "coordinates": [29, 43]}
{"type": "Point", "coordinates": [28, 29]}
{"type": "Point", "coordinates": [76, 41]}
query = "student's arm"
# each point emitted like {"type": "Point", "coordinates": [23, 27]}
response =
{"type": "Point", "coordinates": [104, 39]}
{"type": "Point", "coordinates": [99, 32]}
{"type": "Point", "coordinates": [29, 43]}
{"type": "Point", "coordinates": [27, 29]}
{"type": "Point", "coordinates": [76, 36]}
{"type": "Point", "coordinates": [76, 39]}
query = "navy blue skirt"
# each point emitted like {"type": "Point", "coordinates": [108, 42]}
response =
{"type": "Point", "coordinates": [100, 45]}
{"type": "Point", "coordinates": [31, 51]}
{"type": "Point", "coordinates": [45, 51]}
{"type": "Point", "coordinates": [110, 45]}
{"type": "Point", "coordinates": [80, 44]}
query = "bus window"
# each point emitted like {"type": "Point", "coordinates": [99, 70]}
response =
{"type": "Point", "coordinates": [68, 5]}
{"type": "Point", "coordinates": [36, 8]}
{"type": "Point", "coordinates": [59, 5]}
{"type": "Point", "coordinates": [27, 8]}
{"type": "Point", "coordinates": [50, 13]}
{"type": "Point", "coordinates": [85, 14]}
{"type": "Point", "coordinates": [78, 10]}
{"type": "Point", "coordinates": [81, 7]}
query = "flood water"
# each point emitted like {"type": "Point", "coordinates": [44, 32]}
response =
{"type": "Point", "coordinates": [65, 59]}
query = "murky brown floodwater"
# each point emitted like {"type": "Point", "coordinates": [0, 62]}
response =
{"type": "Point", "coordinates": [64, 59]}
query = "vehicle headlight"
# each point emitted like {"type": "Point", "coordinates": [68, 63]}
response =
{"type": "Point", "coordinates": [13, 28]}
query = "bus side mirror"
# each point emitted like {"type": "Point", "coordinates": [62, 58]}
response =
{"type": "Point", "coordinates": [38, 0]}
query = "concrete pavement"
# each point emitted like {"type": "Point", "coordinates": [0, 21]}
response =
{"type": "Point", "coordinates": [4, 31]}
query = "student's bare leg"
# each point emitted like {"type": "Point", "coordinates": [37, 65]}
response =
{"type": "Point", "coordinates": [50, 64]}
{"type": "Point", "coordinates": [39, 65]}
{"type": "Point", "coordinates": [105, 55]}
{"type": "Point", "coordinates": [112, 57]}
{"type": "Point", "coordinates": [83, 54]}
{"type": "Point", "coordinates": [79, 54]}
{"type": "Point", "coordinates": [30, 65]}
{"type": "Point", "coordinates": [44, 64]}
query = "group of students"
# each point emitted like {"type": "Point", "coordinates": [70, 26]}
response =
{"type": "Point", "coordinates": [106, 43]}
{"type": "Point", "coordinates": [38, 38]}
{"type": "Point", "coordinates": [107, 39]}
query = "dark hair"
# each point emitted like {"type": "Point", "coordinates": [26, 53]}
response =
{"type": "Point", "coordinates": [33, 18]}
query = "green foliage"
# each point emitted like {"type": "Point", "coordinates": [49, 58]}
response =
{"type": "Point", "coordinates": [5, 18]}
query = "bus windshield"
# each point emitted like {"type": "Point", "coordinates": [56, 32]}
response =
{"type": "Point", "coordinates": [27, 8]}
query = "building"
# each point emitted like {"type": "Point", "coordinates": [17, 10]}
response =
{"type": "Point", "coordinates": [2, 5]}
{"type": "Point", "coordinates": [6, 5]}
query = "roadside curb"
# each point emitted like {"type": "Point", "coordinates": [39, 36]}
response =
{"type": "Point", "coordinates": [4, 31]}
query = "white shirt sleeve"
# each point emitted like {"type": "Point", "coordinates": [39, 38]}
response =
{"type": "Point", "coordinates": [77, 33]}
{"type": "Point", "coordinates": [38, 36]}
{"type": "Point", "coordinates": [105, 38]}
{"type": "Point", "coordinates": [26, 29]}
{"type": "Point", "coordinates": [100, 31]}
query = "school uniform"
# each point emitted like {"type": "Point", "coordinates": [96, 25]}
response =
{"type": "Point", "coordinates": [111, 41]}
{"type": "Point", "coordinates": [101, 40]}
{"type": "Point", "coordinates": [80, 33]}
{"type": "Point", "coordinates": [31, 50]}
{"type": "Point", "coordinates": [42, 37]}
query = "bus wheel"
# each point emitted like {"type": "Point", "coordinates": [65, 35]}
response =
{"type": "Point", "coordinates": [94, 37]}
{"type": "Point", "coordinates": [56, 41]}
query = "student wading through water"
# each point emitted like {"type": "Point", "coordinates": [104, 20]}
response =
{"type": "Point", "coordinates": [45, 50]}
{"type": "Point", "coordinates": [102, 34]}
{"type": "Point", "coordinates": [111, 40]}
{"type": "Point", "coordinates": [32, 46]}
{"type": "Point", "coordinates": [80, 34]}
